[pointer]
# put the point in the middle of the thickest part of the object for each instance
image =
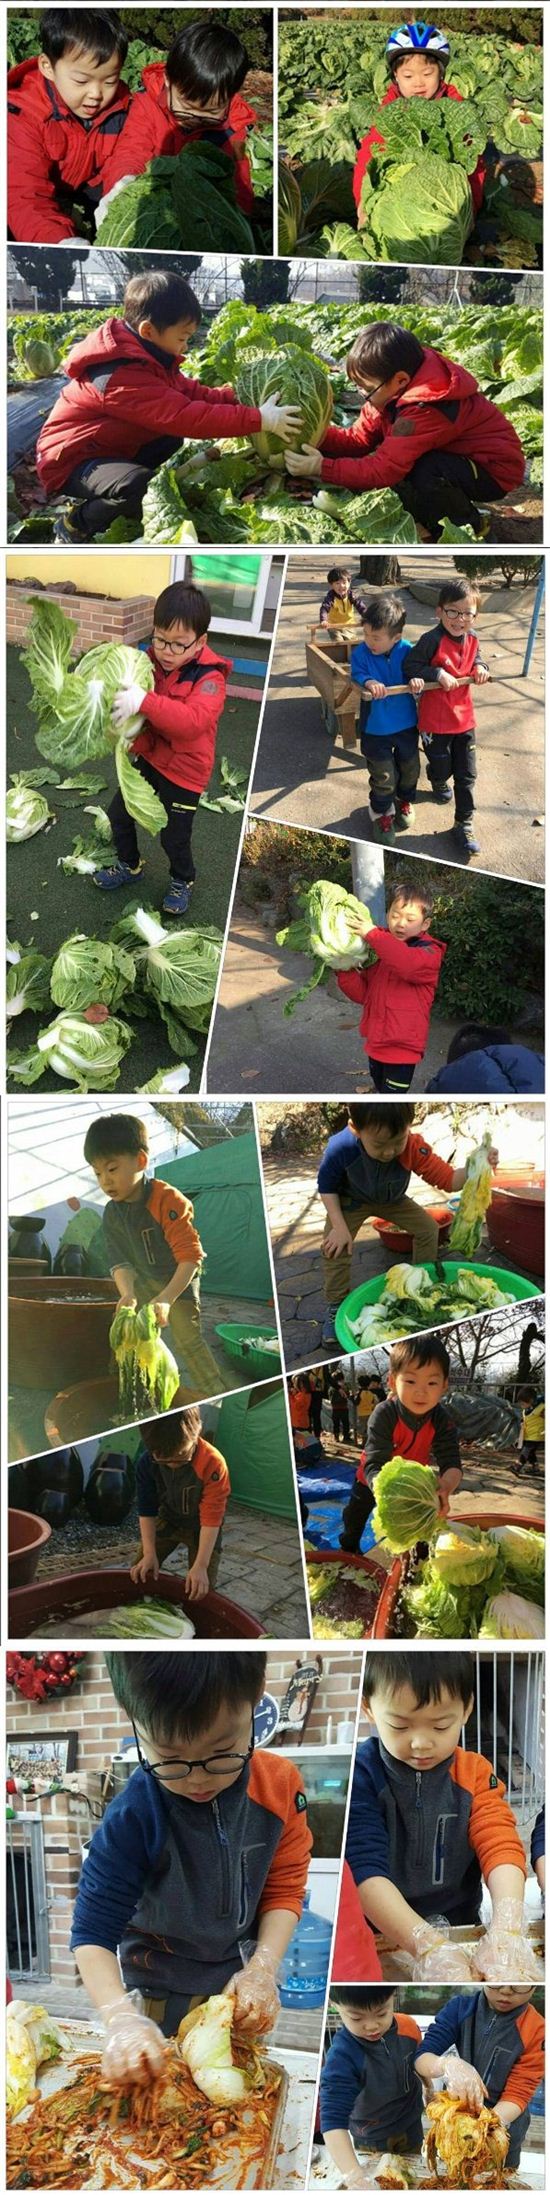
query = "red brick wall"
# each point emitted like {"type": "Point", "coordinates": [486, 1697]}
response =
{"type": "Point", "coordinates": [96, 620]}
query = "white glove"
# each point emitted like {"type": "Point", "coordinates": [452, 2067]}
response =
{"type": "Point", "coordinates": [436, 1959]}
{"type": "Point", "coordinates": [505, 1954]}
{"type": "Point", "coordinates": [281, 419]}
{"type": "Point", "coordinates": [101, 209]}
{"type": "Point", "coordinates": [462, 2081]}
{"type": "Point", "coordinates": [356, 2178]}
{"type": "Point", "coordinates": [134, 2048]}
{"type": "Point", "coordinates": [128, 702]}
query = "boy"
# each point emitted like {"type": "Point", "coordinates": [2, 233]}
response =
{"type": "Point", "coordinates": [183, 1487]}
{"type": "Point", "coordinates": [193, 94]}
{"type": "Point", "coordinates": [195, 1878]}
{"type": "Point", "coordinates": [371, 2097]}
{"type": "Point", "coordinates": [500, 2042]}
{"type": "Point", "coordinates": [398, 992]}
{"type": "Point", "coordinates": [429, 1822]}
{"type": "Point", "coordinates": [442, 657]}
{"type": "Point", "coordinates": [425, 429]}
{"type": "Point", "coordinates": [340, 605]}
{"type": "Point", "coordinates": [365, 1170]}
{"type": "Point", "coordinates": [67, 106]}
{"type": "Point", "coordinates": [387, 722]}
{"type": "Point", "coordinates": [410, 1422]}
{"type": "Point", "coordinates": [126, 407]}
{"type": "Point", "coordinates": [151, 1241]}
{"type": "Point", "coordinates": [177, 746]}
{"type": "Point", "coordinates": [418, 55]}
{"type": "Point", "coordinates": [482, 1059]}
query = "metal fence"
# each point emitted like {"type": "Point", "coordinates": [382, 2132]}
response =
{"type": "Point", "coordinates": [27, 1904]}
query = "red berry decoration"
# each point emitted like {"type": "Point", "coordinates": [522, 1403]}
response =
{"type": "Point", "coordinates": [41, 1676]}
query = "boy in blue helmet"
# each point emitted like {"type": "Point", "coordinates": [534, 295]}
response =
{"type": "Point", "coordinates": [418, 55]}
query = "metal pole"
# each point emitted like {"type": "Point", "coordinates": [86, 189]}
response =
{"type": "Point", "coordinates": [538, 602]}
{"type": "Point", "coordinates": [367, 868]}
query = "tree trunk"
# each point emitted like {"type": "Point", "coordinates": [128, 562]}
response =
{"type": "Point", "coordinates": [380, 571]}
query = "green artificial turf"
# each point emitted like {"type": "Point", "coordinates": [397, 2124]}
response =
{"type": "Point", "coordinates": [64, 904]}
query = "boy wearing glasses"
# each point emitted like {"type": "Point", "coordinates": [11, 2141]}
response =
{"type": "Point", "coordinates": [194, 93]}
{"type": "Point", "coordinates": [177, 746]}
{"type": "Point", "coordinates": [195, 1878]}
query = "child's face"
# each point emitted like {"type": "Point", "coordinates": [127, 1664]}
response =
{"type": "Point", "coordinates": [180, 1455]}
{"type": "Point", "coordinates": [85, 85]}
{"type": "Point", "coordinates": [380, 393]}
{"type": "Point", "coordinates": [419, 1387]}
{"type": "Point", "coordinates": [175, 644]}
{"type": "Point", "coordinates": [407, 918]}
{"type": "Point", "coordinates": [504, 1999]}
{"type": "Point", "coordinates": [419, 1736]}
{"type": "Point", "coordinates": [417, 77]}
{"type": "Point", "coordinates": [230, 1733]}
{"type": "Point", "coordinates": [192, 111]}
{"type": "Point", "coordinates": [380, 639]}
{"type": "Point", "coordinates": [368, 2022]}
{"type": "Point", "coordinates": [342, 586]}
{"type": "Point", "coordinates": [381, 1143]}
{"type": "Point", "coordinates": [458, 617]}
{"type": "Point", "coordinates": [174, 341]}
{"type": "Point", "coordinates": [120, 1176]}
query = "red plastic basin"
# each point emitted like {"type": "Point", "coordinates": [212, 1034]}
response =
{"type": "Point", "coordinates": [515, 1219]}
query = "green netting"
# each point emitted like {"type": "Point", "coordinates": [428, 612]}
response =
{"type": "Point", "coordinates": [224, 1184]}
{"type": "Point", "coordinates": [252, 1434]}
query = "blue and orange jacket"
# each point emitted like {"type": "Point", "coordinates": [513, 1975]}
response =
{"type": "Point", "coordinates": [153, 130]}
{"type": "Point", "coordinates": [152, 1236]}
{"type": "Point", "coordinates": [375, 137]}
{"type": "Point", "coordinates": [394, 1431]}
{"type": "Point", "coordinates": [48, 146]}
{"type": "Point", "coordinates": [434, 1833]}
{"type": "Point", "coordinates": [506, 2048]}
{"type": "Point", "coordinates": [371, 2088]}
{"type": "Point", "coordinates": [199, 1488]}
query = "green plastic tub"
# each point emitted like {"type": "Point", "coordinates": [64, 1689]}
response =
{"type": "Point", "coordinates": [371, 1291]}
{"type": "Point", "coordinates": [259, 1362]}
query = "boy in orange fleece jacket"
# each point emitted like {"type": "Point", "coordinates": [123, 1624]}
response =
{"type": "Point", "coordinates": [500, 2042]}
{"type": "Point", "coordinates": [183, 1488]}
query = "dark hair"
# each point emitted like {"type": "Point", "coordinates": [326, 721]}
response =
{"type": "Point", "coordinates": [206, 60]}
{"type": "Point", "coordinates": [396, 62]}
{"type": "Point", "coordinates": [114, 1133]}
{"type": "Point", "coordinates": [394, 1117]}
{"type": "Point", "coordinates": [97, 31]}
{"type": "Point", "coordinates": [183, 604]}
{"type": "Point", "coordinates": [406, 892]}
{"type": "Point", "coordinates": [384, 349]}
{"type": "Point", "coordinates": [177, 1695]}
{"type": "Point", "coordinates": [427, 1674]}
{"type": "Point", "coordinates": [338, 571]}
{"type": "Point", "coordinates": [179, 1429]}
{"type": "Point", "coordinates": [385, 613]}
{"type": "Point", "coordinates": [362, 1997]}
{"type": "Point", "coordinates": [162, 298]}
{"type": "Point", "coordinates": [474, 1036]}
{"type": "Point", "coordinates": [456, 590]}
{"type": "Point", "coordinates": [425, 1349]}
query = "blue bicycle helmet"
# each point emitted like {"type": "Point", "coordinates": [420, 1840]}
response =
{"type": "Point", "coordinates": [418, 38]}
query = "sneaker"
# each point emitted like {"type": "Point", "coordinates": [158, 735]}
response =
{"type": "Point", "coordinates": [465, 838]}
{"type": "Point", "coordinates": [111, 879]}
{"type": "Point", "coordinates": [67, 530]}
{"type": "Point", "coordinates": [383, 827]}
{"type": "Point", "coordinates": [442, 794]}
{"type": "Point", "coordinates": [404, 815]}
{"type": "Point", "coordinates": [177, 898]}
{"type": "Point", "coordinates": [328, 1331]}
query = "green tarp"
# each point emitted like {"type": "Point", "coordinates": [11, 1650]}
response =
{"type": "Point", "coordinates": [253, 1436]}
{"type": "Point", "coordinates": [224, 1184]}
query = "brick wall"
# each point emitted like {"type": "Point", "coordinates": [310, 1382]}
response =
{"type": "Point", "coordinates": [96, 619]}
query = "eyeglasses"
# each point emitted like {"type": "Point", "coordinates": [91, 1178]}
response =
{"type": "Point", "coordinates": [174, 647]}
{"type": "Point", "coordinates": [198, 114]}
{"type": "Point", "coordinates": [219, 1764]}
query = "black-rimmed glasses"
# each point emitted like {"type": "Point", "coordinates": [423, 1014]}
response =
{"type": "Point", "coordinates": [218, 1764]}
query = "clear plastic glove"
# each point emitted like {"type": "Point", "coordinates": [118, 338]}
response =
{"type": "Point", "coordinates": [134, 2048]}
{"type": "Point", "coordinates": [357, 2178]}
{"type": "Point", "coordinates": [436, 1959]}
{"type": "Point", "coordinates": [461, 2080]}
{"type": "Point", "coordinates": [254, 1987]}
{"type": "Point", "coordinates": [306, 464]}
{"type": "Point", "coordinates": [128, 702]}
{"type": "Point", "coordinates": [281, 419]}
{"type": "Point", "coordinates": [505, 1954]}
{"type": "Point", "coordinates": [101, 209]}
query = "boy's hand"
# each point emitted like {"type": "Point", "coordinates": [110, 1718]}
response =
{"type": "Point", "coordinates": [481, 676]}
{"type": "Point", "coordinates": [281, 419]}
{"type": "Point", "coordinates": [339, 1239]}
{"type": "Point", "coordinates": [505, 1955]}
{"type": "Point", "coordinates": [375, 688]}
{"type": "Point", "coordinates": [306, 464]}
{"type": "Point", "coordinates": [416, 685]}
{"type": "Point", "coordinates": [446, 680]}
{"type": "Point", "coordinates": [134, 2048]}
{"type": "Point", "coordinates": [436, 1959]}
{"type": "Point", "coordinates": [254, 1988]}
{"type": "Point", "coordinates": [461, 2080]}
{"type": "Point", "coordinates": [129, 702]}
{"type": "Point", "coordinates": [493, 1157]}
{"type": "Point", "coordinates": [443, 1500]}
{"type": "Point", "coordinates": [197, 1582]}
{"type": "Point", "coordinates": [147, 1567]}
{"type": "Point", "coordinates": [128, 1302]}
{"type": "Point", "coordinates": [162, 1312]}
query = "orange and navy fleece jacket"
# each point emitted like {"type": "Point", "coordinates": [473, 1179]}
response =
{"type": "Point", "coordinates": [202, 1486]}
{"type": "Point", "coordinates": [435, 1833]}
{"type": "Point", "coordinates": [347, 1170]}
{"type": "Point", "coordinates": [506, 2048]}
{"type": "Point", "coordinates": [152, 1236]}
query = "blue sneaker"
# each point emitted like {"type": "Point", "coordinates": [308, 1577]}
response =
{"type": "Point", "coordinates": [328, 1331]}
{"type": "Point", "coordinates": [177, 898]}
{"type": "Point", "coordinates": [465, 838]}
{"type": "Point", "coordinates": [442, 794]}
{"type": "Point", "coordinates": [67, 529]}
{"type": "Point", "coordinates": [111, 879]}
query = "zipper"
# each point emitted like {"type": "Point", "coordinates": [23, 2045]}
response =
{"type": "Point", "coordinates": [223, 1842]}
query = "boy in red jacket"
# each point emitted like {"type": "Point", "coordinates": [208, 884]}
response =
{"type": "Point", "coordinates": [194, 94]}
{"type": "Point", "coordinates": [425, 429]}
{"type": "Point", "coordinates": [177, 746]}
{"type": "Point", "coordinates": [398, 992]}
{"type": "Point", "coordinates": [126, 407]}
{"type": "Point", "coordinates": [418, 56]}
{"type": "Point", "coordinates": [442, 657]}
{"type": "Point", "coordinates": [66, 108]}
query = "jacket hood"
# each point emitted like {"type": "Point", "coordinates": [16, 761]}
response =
{"type": "Point", "coordinates": [438, 380]}
{"type": "Point", "coordinates": [109, 344]}
{"type": "Point", "coordinates": [43, 99]}
{"type": "Point", "coordinates": [240, 117]}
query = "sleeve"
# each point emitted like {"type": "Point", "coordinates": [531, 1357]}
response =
{"type": "Point", "coordinates": [326, 604]}
{"type": "Point", "coordinates": [528, 2071]}
{"type": "Point", "coordinates": [286, 1878]}
{"type": "Point", "coordinates": [216, 1483]}
{"type": "Point", "coordinates": [139, 142]}
{"type": "Point", "coordinates": [445, 2029]}
{"type": "Point", "coordinates": [146, 1490]}
{"type": "Point", "coordinates": [378, 1440]}
{"type": "Point", "coordinates": [175, 1215]}
{"type": "Point", "coordinates": [332, 1173]}
{"type": "Point", "coordinates": [446, 1444]}
{"type": "Point", "coordinates": [355, 1955]}
{"type": "Point", "coordinates": [34, 215]}
{"type": "Point", "coordinates": [423, 1161]}
{"type": "Point", "coordinates": [366, 148]}
{"type": "Point", "coordinates": [342, 441]}
{"type": "Point", "coordinates": [358, 664]}
{"type": "Point", "coordinates": [358, 602]}
{"type": "Point", "coordinates": [192, 417]}
{"type": "Point", "coordinates": [367, 1843]}
{"type": "Point", "coordinates": [492, 1829]}
{"type": "Point", "coordinates": [416, 430]}
{"type": "Point", "coordinates": [419, 662]}
{"type": "Point", "coordinates": [417, 967]}
{"type": "Point", "coordinates": [341, 2082]}
{"type": "Point", "coordinates": [197, 711]}
{"type": "Point", "coordinates": [354, 983]}
{"type": "Point", "coordinates": [122, 1852]}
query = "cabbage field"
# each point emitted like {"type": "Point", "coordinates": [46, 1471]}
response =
{"type": "Point", "coordinates": [244, 494]}
{"type": "Point", "coordinates": [416, 204]}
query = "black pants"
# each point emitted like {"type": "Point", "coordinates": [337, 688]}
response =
{"type": "Point", "coordinates": [391, 1074]}
{"type": "Point", "coordinates": [340, 1421]}
{"type": "Point", "coordinates": [453, 757]}
{"type": "Point", "coordinates": [393, 765]}
{"type": "Point", "coordinates": [443, 484]}
{"type": "Point", "coordinates": [316, 1409]}
{"type": "Point", "coordinates": [108, 488]}
{"type": "Point", "coordinates": [354, 1516]}
{"type": "Point", "coordinates": [176, 836]}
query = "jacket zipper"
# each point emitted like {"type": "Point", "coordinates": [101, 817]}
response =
{"type": "Point", "coordinates": [223, 1842]}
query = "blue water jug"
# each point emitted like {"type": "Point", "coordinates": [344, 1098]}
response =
{"type": "Point", "coordinates": [304, 1970]}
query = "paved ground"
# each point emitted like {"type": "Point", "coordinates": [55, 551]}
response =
{"type": "Point", "coordinates": [302, 777]}
{"type": "Point", "coordinates": [260, 1568]}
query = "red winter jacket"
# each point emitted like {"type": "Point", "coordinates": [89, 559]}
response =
{"type": "Point", "coordinates": [121, 397]}
{"type": "Point", "coordinates": [48, 146]}
{"type": "Point", "coordinates": [442, 408]}
{"type": "Point", "coordinates": [374, 137]}
{"type": "Point", "coordinates": [355, 1957]}
{"type": "Point", "coordinates": [152, 130]}
{"type": "Point", "coordinates": [397, 994]}
{"type": "Point", "coordinates": [437, 650]}
{"type": "Point", "coordinates": [182, 717]}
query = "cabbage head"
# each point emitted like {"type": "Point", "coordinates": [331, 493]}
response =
{"type": "Point", "coordinates": [85, 1052]}
{"type": "Point", "coordinates": [300, 379]}
{"type": "Point", "coordinates": [523, 1552]}
{"type": "Point", "coordinates": [509, 1616]}
{"type": "Point", "coordinates": [27, 811]}
{"type": "Point", "coordinates": [423, 213]}
{"type": "Point", "coordinates": [464, 1555]}
{"type": "Point", "coordinates": [324, 930]}
{"type": "Point", "coordinates": [147, 1372]}
{"type": "Point", "coordinates": [88, 971]}
{"type": "Point", "coordinates": [176, 969]}
{"type": "Point", "coordinates": [434, 1609]}
{"type": "Point", "coordinates": [407, 1504]}
{"type": "Point", "coordinates": [27, 983]}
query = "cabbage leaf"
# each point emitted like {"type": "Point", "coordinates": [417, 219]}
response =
{"type": "Point", "coordinates": [407, 1504]}
{"type": "Point", "coordinates": [324, 931]}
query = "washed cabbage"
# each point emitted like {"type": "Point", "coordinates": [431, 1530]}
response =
{"type": "Point", "coordinates": [475, 1198]}
{"type": "Point", "coordinates": [32, 2039]}
{"type": "Point", "coordinates": [147, 1372]}
{"type": "Point", "coordinates": [523, 1552]}
{"type": "Point", "coordinates": [177, 969]}
{"type": "Point", "coordinates": [407, 1504]}
{"type": "Point", "coordinates": [27, 983]}
{"type": "Point", "coordinates": [324, 930]}
{"type": "Point", "coordinates": [464, 1555]}
{"type": "Point", "coordinates": [149, 1619]}
{"type": "Point", "coordinates": [204, 2042]}
{"type": "Point", "coordinates": [508, 1616]}
{"type": "Point", "coordinates": [434, 1609]}
{"type": "Point", "coordinates": [408, 1310]}
{"type": "Point", "coordinates": [300, 379]}
{"type": "Point", "coordinates": [27, 811]}
{"type": "Point", "coordinates": [75, 706]}
{"type": "Point", "coordinates": [85, 1052]}
{"type": "Point", "coordinates": [88, 972]}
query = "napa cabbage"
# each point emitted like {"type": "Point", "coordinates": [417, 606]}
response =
{"type": "Point", "coordinates": [87, 971]}
{"type": "Point", "coordinates": [300, 379]}
{"type": "Point", "coordinates": [407, 1504]}
{"type": "Point", "coordinates": [464, 1555]}
{"type": "Point", "coordinates": [509, 1616]}
{"type": "Point", "coordinates": [475, 1198]}
{"type": "Point", "coordinates": [181, 203]}
{"type": "Point", "coordinates": [424, 212]}
{"type": "Point", "coordinates": [147, 1371]}
{"type": "Point", "coordinates": [204, 2043]}
{"type": "Point", "coordinates": [27, 811]}
{"type": "Point", "coordinates": [74, 706]}
{"type": "Point", "coordinates": [325, 931]}
{"type": "Point", "coordinates": [177, 970]}
{"type": "Point", "coordinates": [88, 1053]}
{"type": "Point", "coordinates": [27, 982]}
{"type": "Point", "coordinates": [523, 1552]}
